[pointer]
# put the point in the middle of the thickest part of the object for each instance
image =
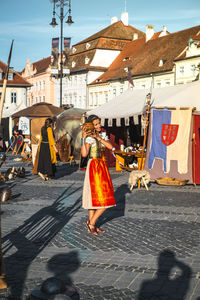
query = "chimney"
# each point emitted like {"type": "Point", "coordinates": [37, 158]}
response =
{"type": "Point", "coordinates": [114, 20]}
{"type": "Point", "coordinates": [164, 29]}
{"type": "Point", "coordinates": [149, 32]}
{"type": "Point", "coordinates": [124, 18]}
{"type": "Point", "coordinates": [135, 36]}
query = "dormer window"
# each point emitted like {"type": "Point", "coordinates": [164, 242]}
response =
{"type": "Point", "coordinates": [73, 64]}
{"type": "Point", "coordinates": [87, 46]}
{"type": "Point", "coordinates": [87, 60]}
{"type": "Point", "coordinates": [10, 75]}
{"type": "Point", "coordinates": [73, 50]}
{"type": "Point", "coordinates": [126, 58]}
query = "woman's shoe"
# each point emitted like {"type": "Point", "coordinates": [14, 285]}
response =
{"type": "Point", "coordinates": [99, 230]}
{"type": "Point", "coordinates": [42, 176]}
{"type": "Point", "coordinates": [91, 228]}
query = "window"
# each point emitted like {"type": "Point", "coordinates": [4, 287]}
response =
{"type": "Point", "coordinates": [91, 99]}
{"type": "Point", "coordinates": [43, 85]}
{"type": "Point", "coordinates": [106, 97]}
{"type": "Point", "coordinates": [0, 95]}
{"type": "Point", "coordinates": [87, 60]}
{"type": "Point", "coordinates": [13, 97]}
{"type": "Point", "coordinates": [167, 83]}
{"type": "Point", "coordinates": [1, 76]}
{"type": "Point", "coordinates": [143, 86]}
{"type": "Point", "coordinates": [193, 70]}
{"type": "Point", "coordinates": [96, 99]}
{"type": "Point", "coordinates": [181, 71]}
{"type": "Point", "coordinates": [158, 84]}
{"type": "Point", "coordinates": [70, 99]}
{"type": "Point", "coordinates": [114, 92]}
{"type": "Point", "coordinates": [10, 76]}
{"type": "Point", "coordinates": [121, 90]}
{"type": "Point", "coordinates": [43, 98]}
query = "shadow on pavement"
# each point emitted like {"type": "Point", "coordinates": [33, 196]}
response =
{"type": "Point", "coordinates": [61, 265]}
{"type": "Point", "coordinates": [28, 240]}
{"type": "Point", "coordinates": [65, 169]}
{"type": "Point", "coordinates": [118, 210]}
{"type": "Point", "coordinates": [172, 281]}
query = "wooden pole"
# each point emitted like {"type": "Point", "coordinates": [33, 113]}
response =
{"type": "Point", "coordinates": [5, 83]}
{"type": "Point", "coordinates": [3, 284]}
{"type": "Point", "coordinates": [140, 165]}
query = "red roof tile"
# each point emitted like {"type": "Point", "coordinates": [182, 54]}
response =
{"type": "Point", "coordinates": [18, 80]}
{"type": "Point", "coordinates": [145, 57]}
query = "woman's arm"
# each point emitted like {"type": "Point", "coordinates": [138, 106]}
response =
{"type": "Point", "coordinates": [85, 147]}
{"type": "Point", "coordinates": [107, 144]}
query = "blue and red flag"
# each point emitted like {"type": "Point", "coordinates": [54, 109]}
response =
{"type": "Point", "coordinates": [170, 138]}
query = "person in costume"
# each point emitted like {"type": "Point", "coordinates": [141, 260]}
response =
{"type": "Point", "coordinates": [46, 155]}
{"type": "Point", "coordinates": [98, 192]}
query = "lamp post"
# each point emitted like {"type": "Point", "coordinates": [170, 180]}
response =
{"type": "Point", "coordinates": [61, 16]}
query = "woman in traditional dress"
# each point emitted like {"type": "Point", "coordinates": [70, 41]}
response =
{"type": "Point", "coordinates": [98, 193]}
{"type": "Point", "coordinates": [45, 164]}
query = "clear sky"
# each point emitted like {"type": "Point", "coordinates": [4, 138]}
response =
{"type": "Point", "coordinates": [27, 22]}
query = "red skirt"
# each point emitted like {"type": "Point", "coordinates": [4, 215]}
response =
{"type": "Point", "coordinates": [102, 192]}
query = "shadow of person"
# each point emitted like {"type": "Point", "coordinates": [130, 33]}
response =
{"type": "Point", "coordinates": [29, 239]}
{"type": "Point", "coordinates": [118, 210]}
{"type": "Point", "coordinates": [61, 265]}
{"type": "Point", "coordinates": [65, 169]}
{"type": "Point", "coordinates": [172, 282]}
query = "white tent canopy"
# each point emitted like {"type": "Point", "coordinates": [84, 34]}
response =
{"type": "Point", "coordinates": [131, 103]}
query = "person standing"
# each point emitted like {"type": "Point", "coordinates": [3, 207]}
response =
{"type": "Point", "coordinates": [98, 192]}
{"type": "Point", "coordinates": [46, 155]}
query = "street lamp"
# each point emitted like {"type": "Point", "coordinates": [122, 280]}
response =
{"type": "Point", "coordinates": [61, 16]}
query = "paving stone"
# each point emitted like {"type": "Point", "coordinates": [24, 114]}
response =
{"type": "Point", "coordinates": [44, 222]}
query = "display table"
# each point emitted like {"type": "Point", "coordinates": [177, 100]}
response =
{"type": "Point", "coordinates": [121, 156]}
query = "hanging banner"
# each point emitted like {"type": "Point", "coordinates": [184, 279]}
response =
{"type": "Point", "coordinates": [54, 55]}
{"type": "Point", "coordinates": [24, 125]}
{"type": "Point", "coordinates": [65, 55]}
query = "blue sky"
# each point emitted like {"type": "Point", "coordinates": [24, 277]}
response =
{"type": "Point", "coordinates": [27, 22]}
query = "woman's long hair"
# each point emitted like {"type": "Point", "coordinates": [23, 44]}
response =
{"type": "Point", "coordinates": [48, 123]}
{"type": "Point", "coordinates": [91, 118]}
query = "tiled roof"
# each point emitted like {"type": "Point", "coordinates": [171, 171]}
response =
{"type": "Point", "coordinates": [118, 69]}
{"type": "Point", "coordinates": [113, 37]}
{"type": "Point", "coordinates": [146, 60]}
{"type": "Point", "coordinates": [42, 65]}
{"type": "Point", "coordinates": [115, 31]}
{"type": "Point", "coordinates": [17, 79]}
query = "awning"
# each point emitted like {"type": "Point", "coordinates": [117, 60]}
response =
{"type": "Point", "coordinates": [132, 102]}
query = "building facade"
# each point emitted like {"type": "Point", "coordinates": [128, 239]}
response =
{"type": "Point", "coordinates": [91, 57]}
{"type": "Point", "coordinates": [161, 59]}
{"type": "Point", "coordinates": [42, 88]}
{"type": "Point", "coordinates": [15, 96]}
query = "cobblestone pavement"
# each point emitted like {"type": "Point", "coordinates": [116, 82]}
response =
{"type": "Point", "coordinates": [150, 250]}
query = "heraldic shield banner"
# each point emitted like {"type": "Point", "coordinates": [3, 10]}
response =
{"type": "Point", "coordinates": [170, 132]}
